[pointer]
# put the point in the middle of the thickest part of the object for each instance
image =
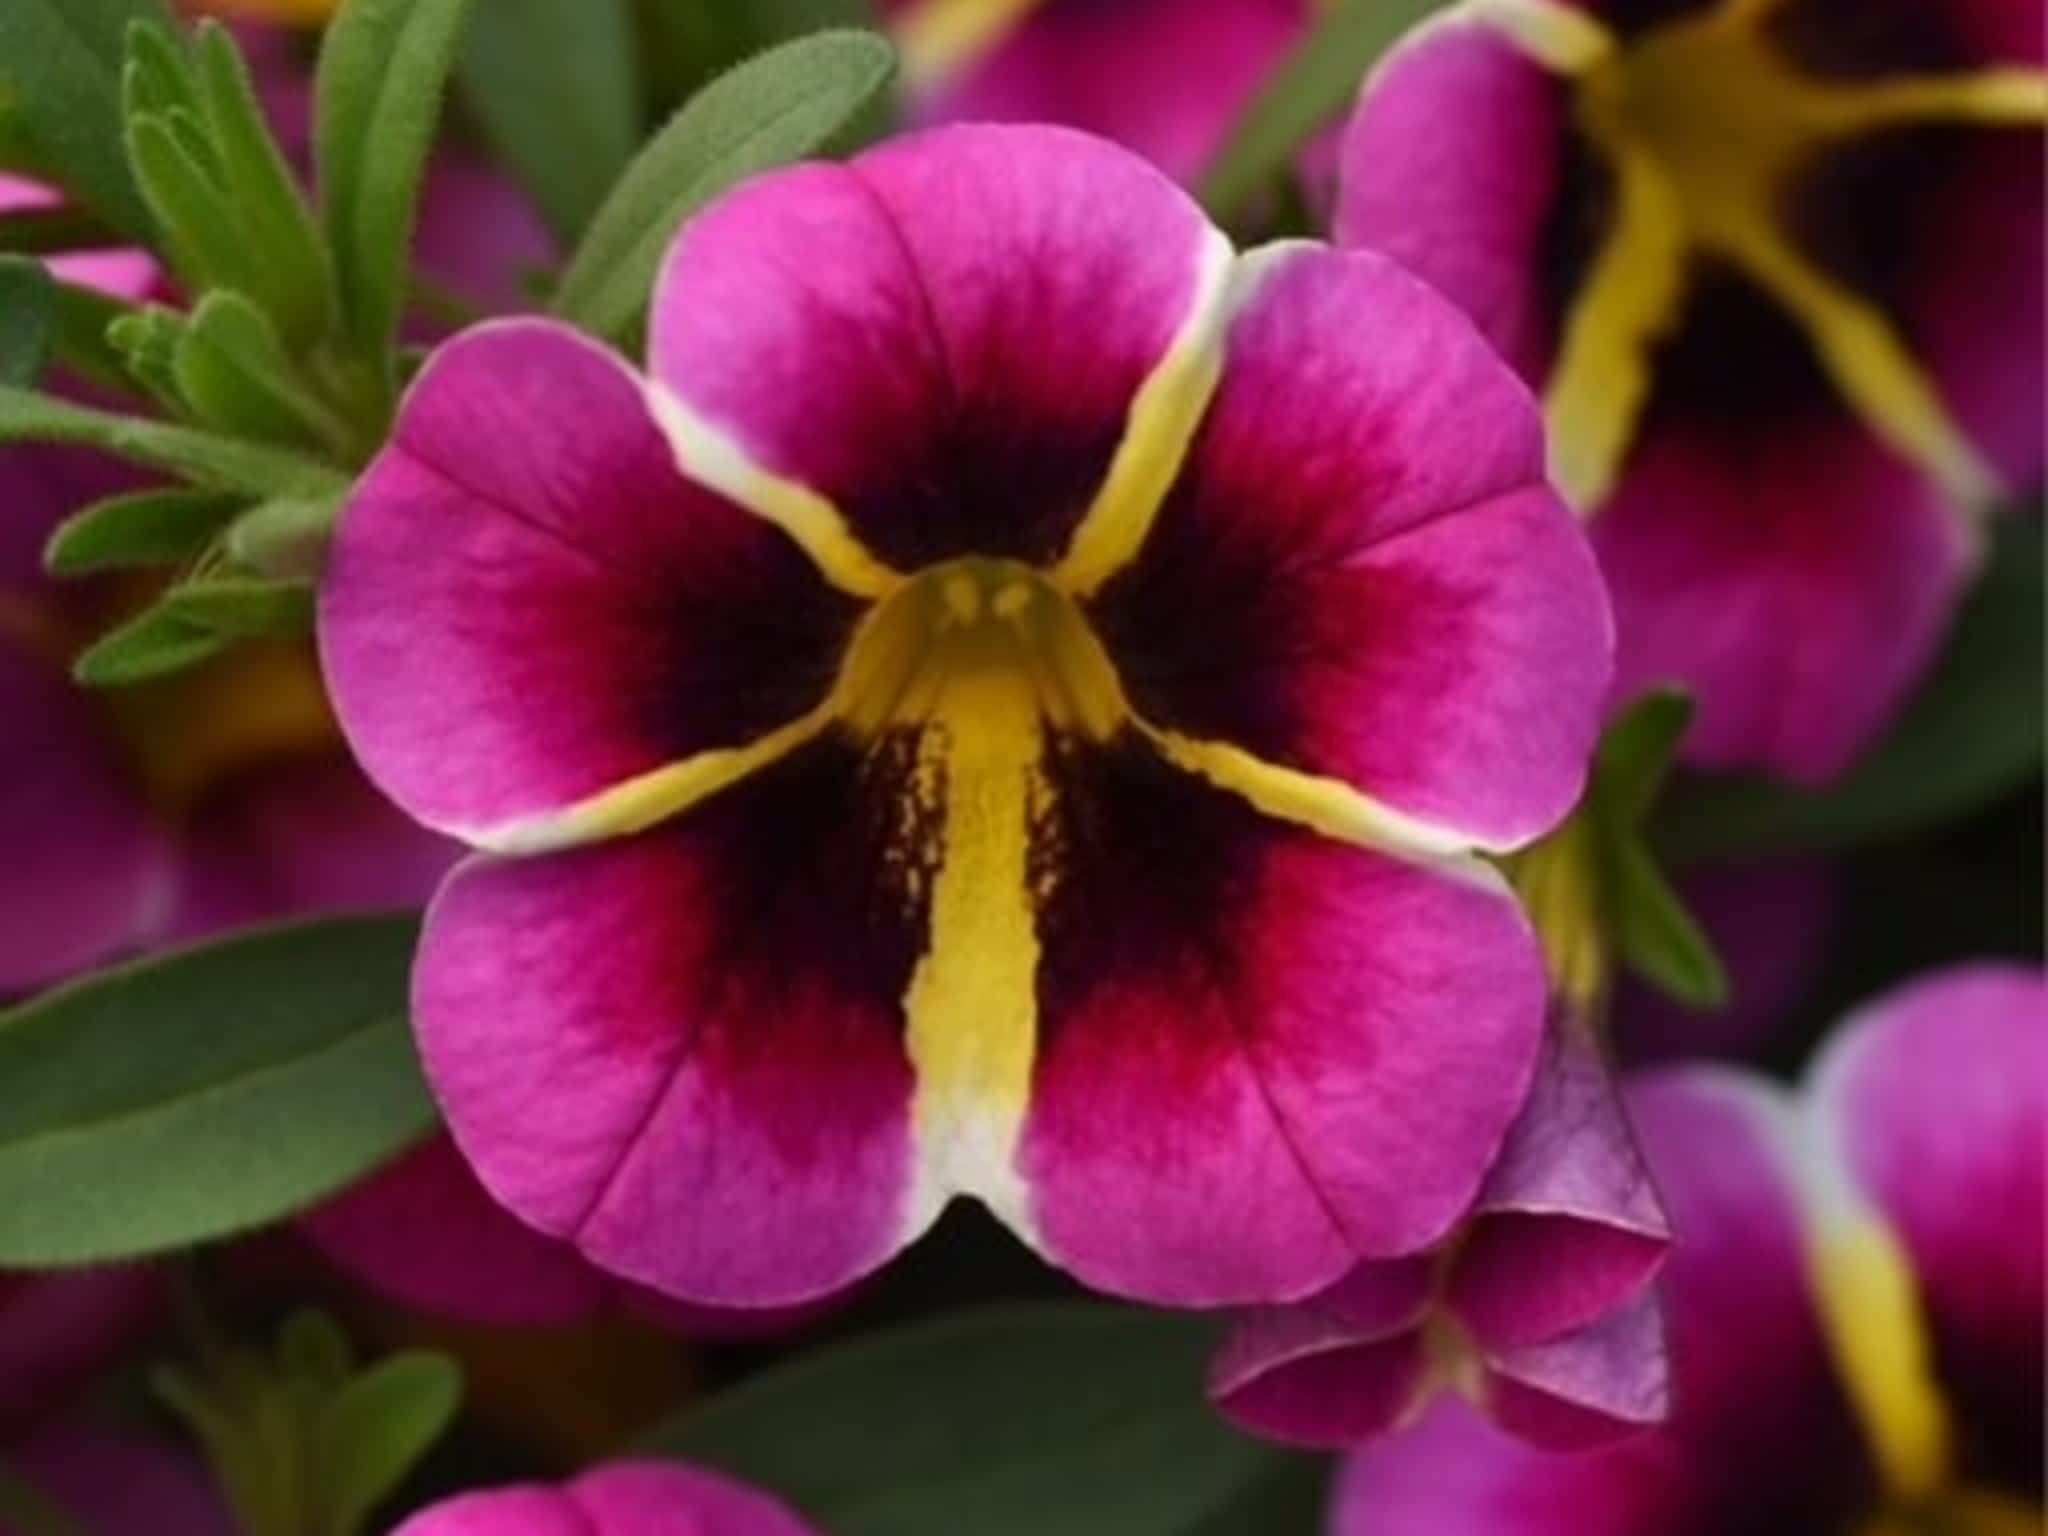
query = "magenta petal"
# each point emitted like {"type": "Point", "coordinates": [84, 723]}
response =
{"type": "Point", "coordinates": [1461, 196]}
{"type": "Point", "coordinates": [1607, 1382]}
{"type": "Point", "coordinates": [527, 604]}
{"type": "Point", "coordinates": [684, 1051]}
{"type": "Point", "coordinates": [424, 1232]}
{"type": "Point", "coordinates": [621, 1499]}
{"type": "Point", "coordinates": [1718, 548]}
{"type": "Point", "coordinates": [1568, 1226]}
{"type": "Point", "coordinates": [957, 377]}
{"type": "Point", "coordinates": [1362, 572]}
{"type": "Point", "coordinates": [1322, 1044]}
{"type": "Point", "coordinates": [1331, 1371]}
{"type": "Point", "coordinates": [57, 1330]}
{"type": "Point", "coordinates": [1128, 71]}
{"type": "Point", "coordinates": [310, 836]}
{"type": "Point", "coordinates": [1937, 1098]}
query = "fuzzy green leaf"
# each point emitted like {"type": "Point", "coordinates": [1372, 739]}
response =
{"type": "Point", "coordinates": [1655, 935]}
{"type": "Point", "coordinates": [1078, 1418]}
{"type": "Point", "coordinates": [242, 607]}
{"type": "Point", "coordinates": [203, 1093]}
{"type": "Point", "coordinates": [203, 457]}
{"type": "Point", "coordinates": [153, 644]}
{"type": "Point", "coordinates": [232, 370]}
{"type": "Point", "coordinates": [373, 1432]}
{"type": "Point", "coordinates": [383, 71]}
{"type": "Point", "coordinates": [60, 69]}
{"type": "Point", "coordinates": [789, 103]}
{"type": "Point", "coordinates": [140, 529]}
{"type": "Point", "coordinates": [29, 319]}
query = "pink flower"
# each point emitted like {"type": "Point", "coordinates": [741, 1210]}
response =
{"type": "Point", "coordinates": [1008, 710]}
{"type": "Point", "coordinates": [1166, 78]}
{"type": "Point", "coordinates": [1539, 1309]}
{"type": "Point", "coordinates": [1777, 266]}
{"type": "Point", "coordinates": [1855, 1298]}
{"type": "Point", "coordinates": [622, 1499]}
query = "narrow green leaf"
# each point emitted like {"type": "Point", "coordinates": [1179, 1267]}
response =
{"type": "Point", "coordinates": [1311, 89]}
{"type": "Point", "coordinates": [1974, 732]}
{"type": "Point", "coordinates": [232, 370]}
{"type": "Point", "coordinates": [1657, 938]}
{"type": "Point", "coordinates": [376, 1429]}
{"type": "Point", "coordinates": [1635, 753]}
{"type": "Point", "coordinates": [153, 644]}
{"type": "Point", "coordinates": [200, 1094]}
{"type": "Point", "coordinates": [146, 341]}
{"type": "Point", "coordinates": [193, 212]}
{"type": "Point", "coordinates": [203, 457]}
{"type": "Point", "coordinates": [242, 607]}
{"type": "Point", "coordinates": [29, 318]}
{"type": "Point", "coordinates": [783, 106]}
{"type": "Point", "coordinates": [60, 67]}
{"type": "Point", "coordinates": [1083, 1419]}
{"type": "Point", "coordinates": [140, 529]}
{"type": "Point", "coordinates": [312, 1347]}
{"type": "Point", "coordinates": [298, 288]}
{"type": "Point", "coordinates": [383, 70]}
{"type": "Point", "coordinates": [555, 89]}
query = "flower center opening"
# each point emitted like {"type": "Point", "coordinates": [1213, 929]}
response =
{"type": "Point", "coordinates": [980, 643]}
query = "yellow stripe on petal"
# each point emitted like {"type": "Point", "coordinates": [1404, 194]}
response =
{"type": "Point", "coordinates": [1326, 806]}
{"type": "Point", "coordinates": [972, 1007]}
{"type": "Point", "coordinates": [713, 458]}
{"type": "Point", "coordinates": [940, 40]}
{"type": "Point", "coordinates": [305, 13]}
{"type": "Point", "coordinates": [648, 800]}
{"type": "Point", "coordinates": [1562, 38]}
{"type": "Point", "coordinates": [1631, 301]}
{"type": "Point", "coordinates": [1868, 361]}
{"type": "Point", "coordinates": [1877, 1333]}
{"type": "Point", "coordinates": [1992, 97]}
{"type": "Point", "coordinates": [1164, 417]}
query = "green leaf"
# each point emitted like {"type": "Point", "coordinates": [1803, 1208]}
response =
{"type": "Point", "coordinates": [555, 90]}
{"type": "Point", "coordinates": [1654, 934]}
{"type": "Point", "coordinates": [1635, 753]}
{"type": "Point", "coordinates": [285, 538]}
{"type": "Point", "coordinates": [193, 212]}
{"type": "Point", "coordinates": [232, 370]}
{"type": "Point", "coordinates": [1083, 1419]}
{"type": "Point", "coordinates": [312, 1348]}
{"type": "Point", "coordinates": [242, 607]}
{"type": "Point", "coordinates": [204, 1093]}
{"type": "Point", "coordinates": [783, 106]}
{"type": "Point", "coordinates": [154, 644]}
{"type": "Point", "coordinates": [60, 67]}
{"type": "Point", "coordinates": [203, 457]}
{"type": "Point", "coordinates": [374, 1431]}
{"type": "Point", "coordinates": [143, 528]}
{"type": "Point", "coordinates": [296, 285]}
{"type": "Point", "coordinates": [383, 70]}
{"type": "Point", "coordinates": [1972, 734]}
{"type": "Point", "coordinates": [1314, 85]}
{"type": "Point", "coordinates": [84, 317]}
{"type": "Point", "coordinates": [29, 319]}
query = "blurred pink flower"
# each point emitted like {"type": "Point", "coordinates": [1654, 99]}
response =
{"type": "Point", "coordinates": [626, 1498]}
{"type": "Point", "coordinates": [1777, 267]}
{"type": "Point", "coordinates": [1166, 78]}
{"type": "Point", "coordinates": [1855, 1301]}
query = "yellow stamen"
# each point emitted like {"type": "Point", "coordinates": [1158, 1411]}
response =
{"type": "Point", "coordinates": [940, 40]}
{"type": "Point", "coordinates": [712, 457]}
{"type": "Point", "coordinates": [1558, 880]}
{"type": "Point", "coordinates": [1994, 97]}
{"type": "Point", "coordinates": [1164, 416]}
